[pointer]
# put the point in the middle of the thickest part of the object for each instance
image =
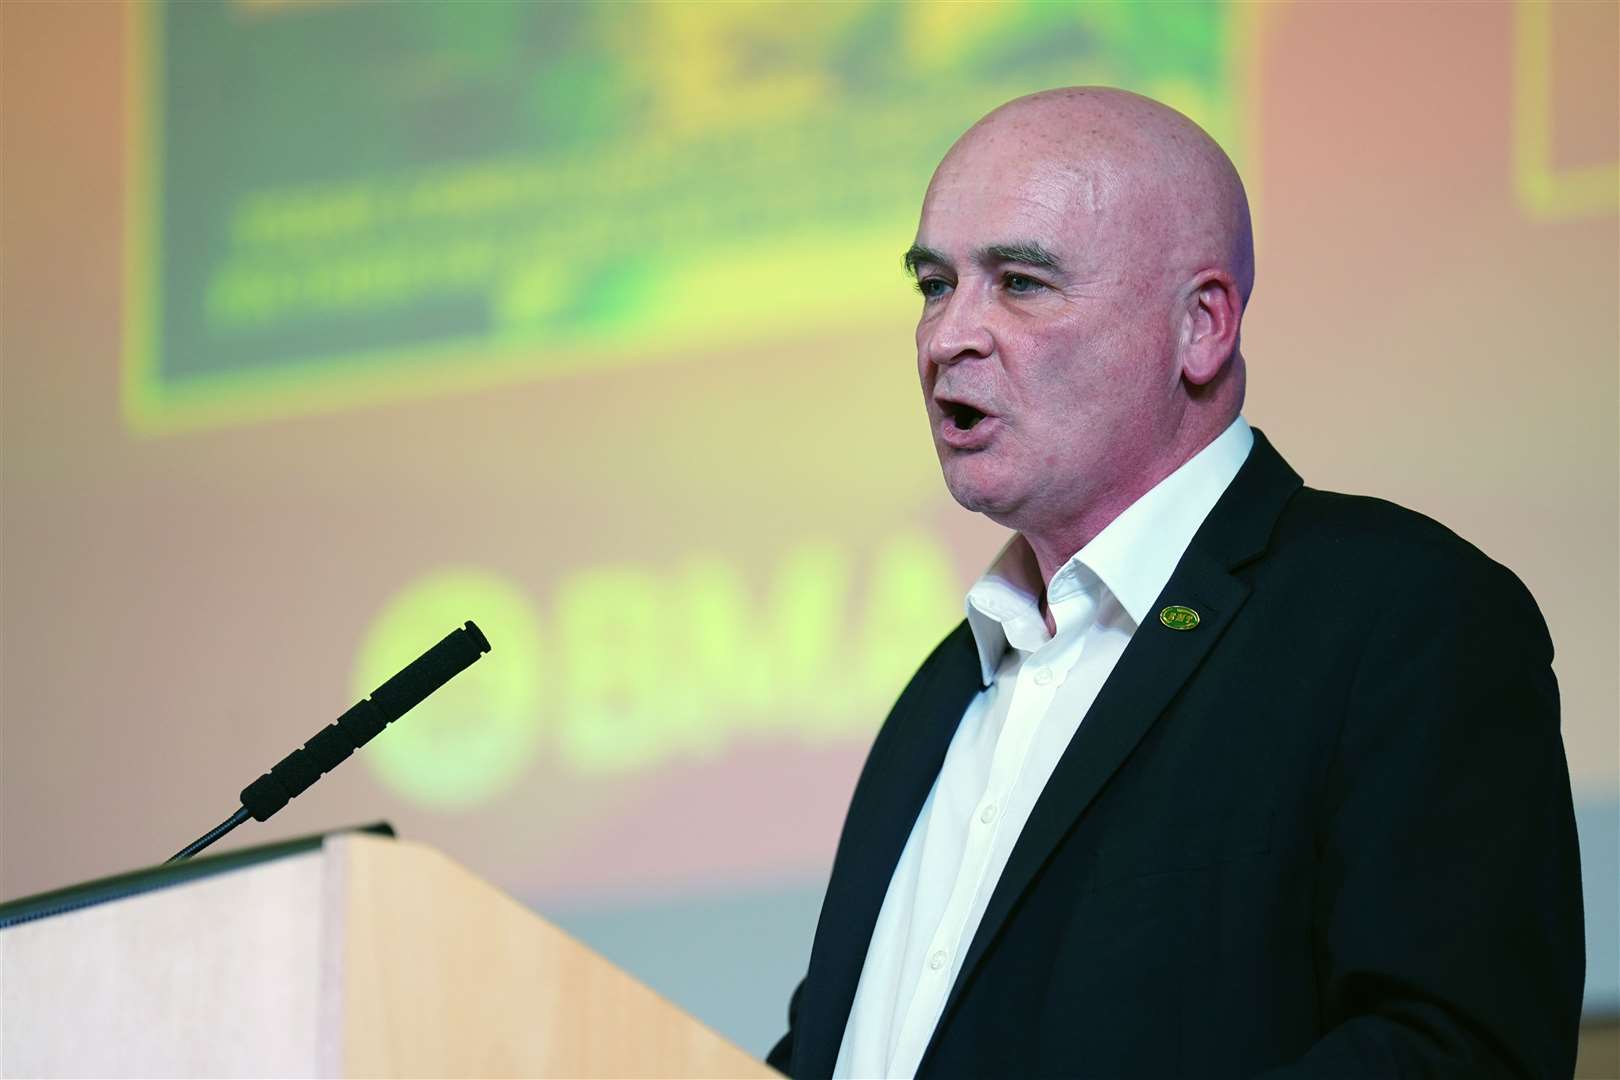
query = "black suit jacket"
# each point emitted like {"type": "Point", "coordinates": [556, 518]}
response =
{"type": "Point", "coordinates": [1326, 833]}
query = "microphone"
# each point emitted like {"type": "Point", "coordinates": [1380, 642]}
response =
{"type": "Point", "coordinates": [332, 745]}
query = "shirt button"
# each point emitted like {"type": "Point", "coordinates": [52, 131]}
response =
{"type": "Point", "coordinates": [937, 961]}
{"type": "Point", "coordinates": [1043, 676]}
{"type": "Point", "coordinates": [988, 814]}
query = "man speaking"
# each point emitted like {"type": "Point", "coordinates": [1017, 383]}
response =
{"type": "Point", "coordinates": [1222, 775]}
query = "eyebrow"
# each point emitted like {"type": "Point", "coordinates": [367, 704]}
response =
{"type": "Point", "coordinates": [1027, 252]}
{"type": "Point", "coordinates": [916, 255]}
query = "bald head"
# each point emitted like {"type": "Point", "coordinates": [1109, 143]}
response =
{"type": "Point", "coordinates": [1150, 176]}
{"type": "Point", "coordinates": [1085, 258]}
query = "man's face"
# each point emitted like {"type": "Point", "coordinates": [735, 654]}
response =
{"type": "Point", "coordinates": [1046, 341]}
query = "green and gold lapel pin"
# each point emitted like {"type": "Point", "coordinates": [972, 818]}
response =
{"type": "Point", "coordinates": [1179, 617]}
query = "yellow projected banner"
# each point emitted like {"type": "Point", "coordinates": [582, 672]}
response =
{"type": "Point", "coordinates": [402, 197]}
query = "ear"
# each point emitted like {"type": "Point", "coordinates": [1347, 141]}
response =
{"type": "Point", "coordinates": [1212, 317]}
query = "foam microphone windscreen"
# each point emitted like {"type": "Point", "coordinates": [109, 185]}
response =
{"type": "Point", "coordinates": [290, 776]}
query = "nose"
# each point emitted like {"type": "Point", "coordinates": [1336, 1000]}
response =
{"type": "Point", "coordinates": [956, 330]}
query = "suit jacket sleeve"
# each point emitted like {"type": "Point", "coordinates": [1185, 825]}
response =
{"type": "Point", "coordinates": [1448, 924]}
{"type": "Point", "coordinates": [781, 1055]}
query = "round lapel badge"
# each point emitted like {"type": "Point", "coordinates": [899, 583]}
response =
{"type": "Point", "coordinates": [1178, 617]}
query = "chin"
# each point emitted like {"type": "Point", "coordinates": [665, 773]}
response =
{"type": "Point", "coordinates": [976, 492]}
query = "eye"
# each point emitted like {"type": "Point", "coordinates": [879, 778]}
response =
{"type": "Point", "coordinates": [1020, 283]}
{"type": "Point", "coordinates": [932, 288]}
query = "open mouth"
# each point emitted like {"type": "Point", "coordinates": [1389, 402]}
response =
{"type": "Point", "coordinates": [962, 416]}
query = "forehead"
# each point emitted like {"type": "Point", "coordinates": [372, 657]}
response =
{"type": "Point", "coordinates": [992, 193]}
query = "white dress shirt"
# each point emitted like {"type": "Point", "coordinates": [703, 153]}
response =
{"type": "Point", "coordinates": [1038, 687]}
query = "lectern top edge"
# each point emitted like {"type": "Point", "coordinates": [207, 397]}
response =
{"type": "Point", "coordinates": [102, 890]}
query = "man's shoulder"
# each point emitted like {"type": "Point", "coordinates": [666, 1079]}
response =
{"type": "Point", "coordinates": [1355, 535]}
{"type": "Point", "coordinates": [1374, 547]}
{"type": "Point", "coordinates": [1370, 527]}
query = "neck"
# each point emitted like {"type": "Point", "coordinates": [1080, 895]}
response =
{"type": "Point", "coordinates": [1055, 543]}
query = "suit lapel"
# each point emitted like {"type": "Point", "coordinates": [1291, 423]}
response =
{"type": "Point", "coordinates": [1151, 672]}
{"type": "Point", "coordinates": [888, 797]}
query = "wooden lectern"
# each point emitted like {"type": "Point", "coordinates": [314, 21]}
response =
{"type": "Point", "coordinates": [352, 956]}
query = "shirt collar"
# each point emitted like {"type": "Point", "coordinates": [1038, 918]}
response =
{"type": "Point", "coordinates": [1132, 558]}
{"type": "Point", "coordinates": [1003, 606]}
